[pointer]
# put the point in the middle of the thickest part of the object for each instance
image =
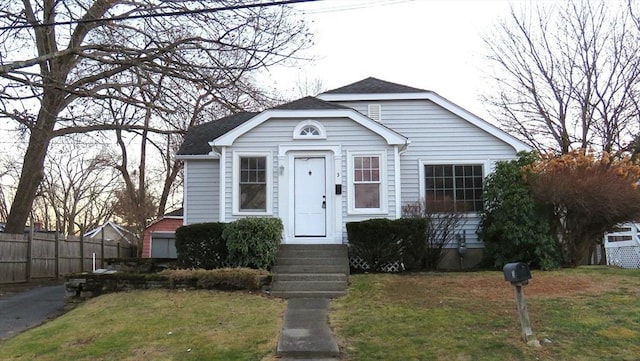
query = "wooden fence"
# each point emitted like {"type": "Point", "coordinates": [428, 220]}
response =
{"type": "Point", "coordinates": [45, 255]}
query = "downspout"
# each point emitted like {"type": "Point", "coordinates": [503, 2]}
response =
{"type": "Point", "coordinates": [397, 179]}
{"type": "Point", "coordinates": [398, 150]}
{"type": "Point", "coordinates": [222, 194]}
{"type": "Point", "coordinates": [221, 153]}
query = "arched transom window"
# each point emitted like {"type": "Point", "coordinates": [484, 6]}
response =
{"type": "Point", "coordinates": [309, 129]}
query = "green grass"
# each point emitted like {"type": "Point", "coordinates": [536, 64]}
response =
{"type": "Point", "coordinates": [157, 325]}
{"type": "Point", "coordinates": [589, 313]}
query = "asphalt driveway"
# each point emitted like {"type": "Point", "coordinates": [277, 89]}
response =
{"type": "Point", "coordinates": [30, 308]}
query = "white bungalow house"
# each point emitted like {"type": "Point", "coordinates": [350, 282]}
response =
{"type": "Point", "coordinates": [356, 152]}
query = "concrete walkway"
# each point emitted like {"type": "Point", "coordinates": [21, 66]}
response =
{"type": "Point", "coordinates": [305, 334]}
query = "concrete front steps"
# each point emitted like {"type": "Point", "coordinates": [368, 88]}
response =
{"type": "Point", "coordinates": [310, 271]}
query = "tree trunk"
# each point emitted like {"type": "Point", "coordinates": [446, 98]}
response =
{"type": "Point", "coordinates": [30, 178]}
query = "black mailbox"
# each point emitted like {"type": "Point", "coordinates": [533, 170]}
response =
{"type": "Point", "coordinates": [516, 272]}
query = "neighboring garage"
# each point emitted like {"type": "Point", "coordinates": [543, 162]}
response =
{"type": "Point", "coordinates": [160, 237]}
{"type": "Point", "coordinates": [163, 245]}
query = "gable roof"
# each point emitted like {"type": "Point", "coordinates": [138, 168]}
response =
{"type": "Point", "coordinates": [372, 85]}
{"type": "Point", "coordinates": [121, 231]}
{"type": "Point", "coordinates": [197, 140]}
{"type": "Point", "coordinates": [310, 107]}
{"type": "Point", "coordinates": [372, 89]}
{"type": "Point", "coordinates": [176, 214]}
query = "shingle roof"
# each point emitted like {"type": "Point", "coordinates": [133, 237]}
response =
{"type": "Point", "coordinates": [372, 86]}
{"type": "Point", "coordinates": [309, 103]}
{"type": "Point", "coordinates": [197, 140]}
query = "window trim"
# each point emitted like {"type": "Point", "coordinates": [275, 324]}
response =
{"type": "Point", "coordinates": [235, 179]}
{"type": "Point", "coordinates": [384, 197]}
{"type": "Point", "coordinates": [309, 123]}
{"type": "Point", "coordinates": [421, 173]}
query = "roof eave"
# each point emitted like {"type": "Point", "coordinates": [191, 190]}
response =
{"type": "Point", "coordinates": [209, 156]}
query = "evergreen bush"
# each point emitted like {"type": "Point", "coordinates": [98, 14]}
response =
{"type": "Point", "coordinates": [201, 245]}
{"type": "Point", "coordinates": [513, 226]}
{"type": "Point", "coordinates": [253, 242]}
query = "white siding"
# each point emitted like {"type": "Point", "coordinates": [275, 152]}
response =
{"type": "Point", "coordinates": [437, 136]}
{"type": "Point", "coordinates": [201, 192]}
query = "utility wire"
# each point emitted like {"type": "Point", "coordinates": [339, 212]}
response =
{"type": "Point", "coordinates": [350, 6]}
{"type": "Point", "coordinates": [168, 14]}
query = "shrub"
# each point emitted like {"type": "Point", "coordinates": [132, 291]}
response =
{"type": "Point", "coordinates": [441, 221]}
{"type": "Point", "coordinates": [253, 242]}
{"type": "Point", "coordinates": [513, 226]}
{"type": "Point", "coordinates": [201, 246]}
{"type": "Point", "coordinates": [220, 279]}
{"type": "Point", "coordinates": [380, 241]}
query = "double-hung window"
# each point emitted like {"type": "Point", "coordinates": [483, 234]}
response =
{"type": "Point", "coordinates": [366, 183]}
{"type": "Point", "coordinates": [251, 183]}
{"type": "Point", "coordinates": [453, 187]}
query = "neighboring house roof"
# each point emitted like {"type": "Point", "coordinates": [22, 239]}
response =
{"type": "Point", "coordinates": [177, 214]}
{"type": "Point", "coordinates": [198, 137]}
{"type": "Point", "coordinates": [121, 231]}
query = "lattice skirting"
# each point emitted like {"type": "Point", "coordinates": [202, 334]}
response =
{"type": "Point", "coordinates": [625, 257]}
{"type": "Point", "coordinates": [391, 267]}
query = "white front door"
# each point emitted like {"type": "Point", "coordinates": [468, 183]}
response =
{"type": "Point", "coordinates": [310, 202]}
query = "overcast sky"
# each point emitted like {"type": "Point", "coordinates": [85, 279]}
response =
{"type": "Point", "coordinates": [429, 44]}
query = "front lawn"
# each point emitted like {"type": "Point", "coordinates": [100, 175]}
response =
{"type": "Point", "coordinates": [590, 313]}
{"type": "Point", "coordinates": [157, 325]}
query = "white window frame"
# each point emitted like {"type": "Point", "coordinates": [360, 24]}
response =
{"type": "Point", "coordinates": [384, 197]}
{"type": "Point", "coordinates": [309, 123]}
{"type": "Point", "coordinates": [236, 183]}
{"type": "Point", "coordinates": [421, 173]}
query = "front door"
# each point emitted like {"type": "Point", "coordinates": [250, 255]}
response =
{"type": "Point", "coordinates": [310, 203]}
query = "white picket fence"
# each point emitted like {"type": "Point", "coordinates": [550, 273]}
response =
{"type": "Point", "coordinates": [623, 246]}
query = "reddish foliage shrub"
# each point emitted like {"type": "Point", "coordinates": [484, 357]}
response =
{"type": "Point", "coordinates": [585, 195]}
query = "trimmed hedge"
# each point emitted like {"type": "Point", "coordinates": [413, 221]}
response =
{"type": "Point", "coordinates": [227, 279]}
{"type": "Point", "coordinates": [382, 241]}
{"type": "Point", "coordinates": [253, 242]}
{"type": "Point", "coordinates": [413, 233]}
{"type": "Point", "coordinates": [201, 246]}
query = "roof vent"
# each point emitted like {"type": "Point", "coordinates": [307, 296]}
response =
{"type": "Point", "coordinates": [374, 112]}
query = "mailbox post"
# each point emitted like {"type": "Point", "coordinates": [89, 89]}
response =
{"type": "Point", "coordinates": [518, 274]}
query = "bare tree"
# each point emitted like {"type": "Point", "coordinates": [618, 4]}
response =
{"type": "Point", "coordinates": [567, 75]}
{"type": "Point", "coordinates": [62, 58]}
{"type": "Point", "coordinates": [77, 191]}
